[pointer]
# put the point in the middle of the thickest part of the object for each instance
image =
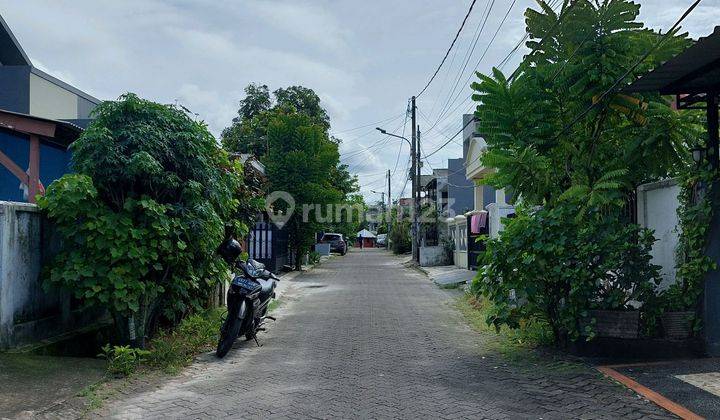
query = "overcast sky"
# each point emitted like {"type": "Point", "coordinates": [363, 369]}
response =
{"type": "Point", "coordinates": [364, 58]}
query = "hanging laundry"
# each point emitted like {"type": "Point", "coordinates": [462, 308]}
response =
{"type": "Point", "coordinates": [475, 224]}
{"type": "Point", "coordinates": [483, 219]}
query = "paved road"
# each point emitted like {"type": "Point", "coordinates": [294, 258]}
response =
{"type": "Point", "coordinates": [363, 337]}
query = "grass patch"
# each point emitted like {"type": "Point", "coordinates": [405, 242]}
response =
{"type": "Point", "coordinates": [168, 353]}
{"type": "Point", "coordinates": [93, 397]}
{"type": "Point", "coordinates": [516, 346]}
{"type": "Point", "coordinates": [172, 350]}
{"type": "Point", "coordinates": [273, 305]}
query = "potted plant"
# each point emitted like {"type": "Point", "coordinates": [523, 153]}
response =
{"type": "Point", "coordinates": [678, 317]}
{"type": "Point", "coordinates": [677, 325]}
{"type": "Point", "coordinates": [628, 280]}
{"type": "Point", "coordinates": [614, 323]}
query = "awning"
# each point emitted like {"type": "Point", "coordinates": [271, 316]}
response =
{"type": "Point", "coordinates": [695, 70]}
{"type": "Point", "coordinates": [365, 234]}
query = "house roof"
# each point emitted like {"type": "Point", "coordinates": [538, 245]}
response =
{"type": "Point", "coordinates": [249, 158]}
{"type": "Point", "coordinates": [365, 234]}
{"type": "Point", "coordinates": [695, 70]}
{"type": "Point", "coordinates": [11, 53]}
{"type": "Point", "coordinates": [61, 133]}
{"type": "Point", "coordinates": [426, 178]}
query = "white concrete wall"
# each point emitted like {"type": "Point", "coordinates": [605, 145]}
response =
{"type": "Point", "coordinates": [657, 210]}
{"type": "Point", "coordinates": [27, 312]}
{"type": "Point", "coordinates": [497, 212]}
{"type": "Point", "coordinates": [432, 256]}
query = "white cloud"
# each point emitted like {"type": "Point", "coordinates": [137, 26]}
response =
{"type": "Point", "coordinates": [314, 25]}
{"type": "Point", "coordinates": [364, 59]}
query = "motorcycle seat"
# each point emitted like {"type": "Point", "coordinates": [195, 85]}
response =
{"type": "Point", "coordinates": [266, 288]}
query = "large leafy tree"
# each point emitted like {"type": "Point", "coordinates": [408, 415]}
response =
{"type": "Point", "coordinates": [301, 160]}
{"type": "Point", "coordinates": [541, 139]}
{"type": "Point", "coordinates": [143, 215]}
{"type": "Point", "coordinates": [248, 131]}
{"type": "Point", "coordinates": [563, 136]}
{"type": "Point", "coordinates": [295, 109]}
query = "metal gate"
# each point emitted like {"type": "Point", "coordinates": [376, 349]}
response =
{"type": "Point", "coordinates": [269, 245]}
{"type": "Point", "coordinates": [475, 246]}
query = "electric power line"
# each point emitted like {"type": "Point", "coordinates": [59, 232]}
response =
{"type": "Point", "coordinates": [451, 138]}
{"type": "Point", "coordinates": [462, 25]}
{"type": "Point", "coordinates": [483, 23]}
{"type": "Point", "coordinates": [446, 112]}
{"type": "Point", "coordinates": [619, 80]}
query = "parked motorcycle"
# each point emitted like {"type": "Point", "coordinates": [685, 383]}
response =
{"type": "Point", "coordinates": [250, 293]}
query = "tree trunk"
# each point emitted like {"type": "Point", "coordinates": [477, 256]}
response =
{"type": "Point", "coordinates": [298, 262]}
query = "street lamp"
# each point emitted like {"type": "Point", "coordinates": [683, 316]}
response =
{"type": "Point", "coordinates": [699, 154]}
{"type": "Point", "coordinates": [393, 135]}
{"type": "Point", "coordinates": [415, 174]}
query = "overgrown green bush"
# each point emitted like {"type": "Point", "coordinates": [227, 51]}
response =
{"type": "Point", "coordinates": [694, 213]}
{"type": "Point", "coordinates": [400, 237]}
{"type": "Point", "coordinates": [142, 217]}
{"type": "Point", "coordinates": [550, 266]}
{"type": "Point", "coordinates": [123, 360]}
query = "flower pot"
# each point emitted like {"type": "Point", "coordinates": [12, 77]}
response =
{"type": "Point", "coordinates": [615, 324]}
{"type": "Point", "coordinates": [677, 325]}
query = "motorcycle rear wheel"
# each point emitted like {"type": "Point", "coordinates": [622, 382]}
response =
{"type": "Point", "coordinates": [229, 332]}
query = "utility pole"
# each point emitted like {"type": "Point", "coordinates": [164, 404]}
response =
{"type": "Point", "coordinates": [413, 176]}
{"type": "Point", "coordinates": [418, 229]}
{"type": "Point", "coordinates": [415, 152]}
{"type": "Point", "coordinates": [388, 214]}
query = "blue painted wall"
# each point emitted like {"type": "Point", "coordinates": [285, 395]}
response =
{"type": "Point", "coordinates": [54, 163]}
{"type": "Point", "coordinates": [15, 88]}
{"type": "Point", "coordinates": [460, 189]}
{"type": "Point", "coordinates": [488, 195]}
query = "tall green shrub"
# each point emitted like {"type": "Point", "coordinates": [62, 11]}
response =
{"type": "Point", "coordinates": [551, 266]}
{"type": "Point", "coordinates": [542, 136]}
{"type": "Point", "coordinates": [142, 217]}
{"type": "Point", "coordinates": [301, 161]}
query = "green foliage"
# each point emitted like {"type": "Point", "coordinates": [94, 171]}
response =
{"type": "Point", "coordinates": [302, 100]}
{"type": "Point", "coordinates": [351, 216]}
{"type": "Point", "coordinates": [624, 141]}
{"type": "Point", "coordinates": [142, 217]}
{"type": "Point", "coordinates": [532, 333]}
{"type": "Point", "coordinates": [695, 214]}
{"type": "Point", "coordinates": [552, 267]}
{"type": "Point", "coordinates": [249, 129]}
{"type": "Point", "coordinates": [112, 252]}
{"type": "Point", "coordinates": [578, 252]}
{"type": "Point", "coordinates": [292, 165]}
{"type": "Point", "coordinates": [314, 257]}
{"type": "Point", "coordinates": [300, 162]}
{"type": "Point", "coordinates": [171, 350]}
{"type": "Point", "coordinates": [400, 241]}
{"type": "Point", "coordinates": [123, 360]}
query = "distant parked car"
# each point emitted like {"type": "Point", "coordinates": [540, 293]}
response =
{"type": "Point", "coordinates": [336, 241]}
{"type": "Point", "coordinates": [381, 240]}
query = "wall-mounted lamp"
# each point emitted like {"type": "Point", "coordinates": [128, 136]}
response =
{"type": "Point", "coordinates": [698, 155]}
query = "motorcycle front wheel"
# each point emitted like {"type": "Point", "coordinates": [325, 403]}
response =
{"type": "Point", "coordinates": [229, 332]}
